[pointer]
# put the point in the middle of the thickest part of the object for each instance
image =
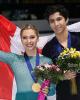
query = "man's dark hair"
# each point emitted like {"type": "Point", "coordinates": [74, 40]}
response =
{"type": "Point", "coordinates": [56, 8]}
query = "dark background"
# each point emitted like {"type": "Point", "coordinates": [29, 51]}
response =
{"type": "Point", "coordinates": [34, 9]}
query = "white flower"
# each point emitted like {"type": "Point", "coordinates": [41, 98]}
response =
{"type": "Point", "coordinates": [41, 68]}
{"type": "Point", "coordinates": [47, 65]}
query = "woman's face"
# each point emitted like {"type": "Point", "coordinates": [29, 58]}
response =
{"type": "Point", "coordinates": [57, 23]}
{"type": "Point", "coordinates": [29, 39]}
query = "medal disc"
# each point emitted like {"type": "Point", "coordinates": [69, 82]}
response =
{"type": "Point", "coordinates": [36, 87]}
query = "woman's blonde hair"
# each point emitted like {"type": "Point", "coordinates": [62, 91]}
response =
{"type": "Point", "coordinates": [29, 26]}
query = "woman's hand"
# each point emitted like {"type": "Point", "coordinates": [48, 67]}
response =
{"type": "Point", "coordinates": [45, 90]}
{"type": "Point", "coordinates": [69, 75]}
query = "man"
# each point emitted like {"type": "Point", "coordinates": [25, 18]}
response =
{"type": "Point", "coordinates": [57, 16]}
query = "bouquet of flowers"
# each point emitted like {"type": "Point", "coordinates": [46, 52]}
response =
{"type": "Point", "coordinates": [69, 59]}
{"type": "Point", "coordinates": [47, 74]}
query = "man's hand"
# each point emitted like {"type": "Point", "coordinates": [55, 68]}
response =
{"type": "Point", "coordinates": [69, 75]}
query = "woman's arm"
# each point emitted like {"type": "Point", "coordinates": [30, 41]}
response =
{"type": "Point", "coordinates": [6, 57]}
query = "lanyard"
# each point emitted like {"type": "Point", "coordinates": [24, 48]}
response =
{"type": "Point", "coordinates": [59, 48]}
{"type": "Point", "coordinates": [30, 66]}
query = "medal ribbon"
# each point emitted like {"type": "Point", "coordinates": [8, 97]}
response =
{"type": "Point", "coordinates": [30, 66]}
{"type": "Point", "coordinates": [59, 48]}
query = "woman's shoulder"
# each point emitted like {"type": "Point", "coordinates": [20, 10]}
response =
{"type": "Point", "coordinates": [18, 56]}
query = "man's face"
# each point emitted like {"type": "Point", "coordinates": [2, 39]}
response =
{"type": "Point", "coordinates": [57, 23]}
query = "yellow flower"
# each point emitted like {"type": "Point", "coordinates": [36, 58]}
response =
{"type": "Point", "coordinates": [72, 49]}
{"type": "Point", "coordinates": [72, 56]}
{"type": "Point", "coordinates": [78, 53]}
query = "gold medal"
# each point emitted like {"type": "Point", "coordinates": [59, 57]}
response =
{"type": "Point", "coordinates": [36, 87]}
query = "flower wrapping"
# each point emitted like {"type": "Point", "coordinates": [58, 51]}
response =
{"type": "Point", "coordinates": [73, 86]}
{"type": "Point", "coordinates": [41, 95]}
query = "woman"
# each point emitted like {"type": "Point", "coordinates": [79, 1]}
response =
{"type": "Point", "coordinates": [23, 65]}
